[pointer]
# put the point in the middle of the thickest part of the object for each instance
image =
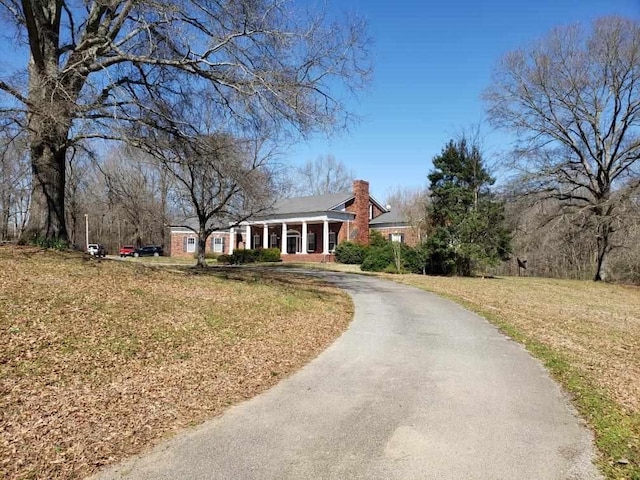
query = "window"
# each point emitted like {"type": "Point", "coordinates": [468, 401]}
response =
{"type": "Point", "coordinates": [217, 244]}
{"type": "Point", "coordinates": [256, 241]}
{"type": "Point", "coordinates": [311, 242]}
{"type": "Point", "coordinates": [273, 241]}
{"type": "Point", "coordinates": [191, 244]}
{"type": "Point", "coordinates": [370, 211]}
{"type": "Point", "coordinates": [332, 241]}
{"type": "Point", "coordinates": [396, 237]}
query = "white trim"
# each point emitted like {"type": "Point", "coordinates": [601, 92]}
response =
{"type": "Point", "coordinates": [273, 243]}
{"type": "Point", "coordinates": [335, 241]}
{"type": "Point", "coordinates": [332, 217]}
{"type": "Point", "coordinates": [191, 246]}
{"type": "Point", "coordinates": [232, 240]}
{"type": "Point", "coordinates": [311, 235]}
{"type": "Point", "coordinates": [218, 247]}
{"type": "Point", "coordinates": [283, 238]}
{"type": "Point", "coordinates": [304, 238]}
{"type": "Point", "coordinates": [294, 234]}
{"type": "Point", "coordinates": [325, 238]}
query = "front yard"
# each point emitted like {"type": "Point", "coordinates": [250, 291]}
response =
{"type": "Point", "coordinates": [100, 359]}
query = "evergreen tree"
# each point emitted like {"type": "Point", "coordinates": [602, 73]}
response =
{"type": "Point", "coordinates": [467, 220]}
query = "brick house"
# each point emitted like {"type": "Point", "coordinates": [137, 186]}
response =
{"type": "Point", "coordinates": [393, 226]}
{"type": "Point", "coordinates": [304, 228]}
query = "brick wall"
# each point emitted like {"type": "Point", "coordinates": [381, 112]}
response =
{"type": "Point", "coordinates": [361, 209]}
{"type": "Point", "coordinates": [178, 238]}
{"type": "Point", "coordinates": [409, 233]}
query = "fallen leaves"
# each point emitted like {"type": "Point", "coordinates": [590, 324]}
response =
{"type": "Point", "coordinates": [100, 359]}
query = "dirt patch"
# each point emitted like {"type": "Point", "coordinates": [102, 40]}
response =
{"type": "Point", "coordinates": [101, 359]}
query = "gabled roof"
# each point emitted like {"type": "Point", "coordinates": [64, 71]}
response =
{"type": "Point", "coordinates": [314, 203]}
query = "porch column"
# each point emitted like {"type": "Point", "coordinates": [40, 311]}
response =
{"type": "Point", "coordinates": [247, 243]}
{"type": "Point", "coordinates": [325, 238]}
{"type": "Point", "coordinates": [232, 240]}
{"type": "Point", "coordinates": [265, 236]}
{"type": "Point", "coordinates": [283, 240]}
{"type": "Point", "coordinates": [304, 238]}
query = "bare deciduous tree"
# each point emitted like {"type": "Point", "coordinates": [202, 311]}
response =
{"type": "Point", "coordinates": [96, 65]}
{"type": "Point", "coordinates": [413, 206]}
{"type": "Point", "coordinates": [14, 186]}
{"type": "Point", "coordinates": [135, 192]}
{"type": "Point", "coordinates": [573, 99]}
{"type": "Point", "coordinates": [219, 180]}
{"type": "Point", "coordinates": [323, 175]}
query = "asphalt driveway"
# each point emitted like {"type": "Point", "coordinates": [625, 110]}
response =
{"type": "Point", "coordinates": [417, 388]}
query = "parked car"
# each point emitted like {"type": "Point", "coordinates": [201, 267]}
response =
{"type": "Point", "coordinates": [127, 250]}
{"type": "Point", "coordinates": [148, 251]}
{"type": "Point", "coordinates": [96, 250]}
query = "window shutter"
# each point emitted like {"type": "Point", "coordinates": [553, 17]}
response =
{"type": "Point", "coordinates": [391, 237]}
{"type": "Point", "coordinates": [184, 244]}
{"type": "Point", "coordinates": [213, 243]}
{"type": "Point", "coordinates": [402, 238]}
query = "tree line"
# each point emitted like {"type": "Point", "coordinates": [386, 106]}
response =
{"type": "Point", "coordinates": [138, 110]}
{"type": "Point", "coordinates": [572, 102]}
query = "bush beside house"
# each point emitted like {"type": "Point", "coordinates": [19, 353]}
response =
{"type": "Point", "coordinates": [242, 256]}
{"type": "Point", "coordinates": [350, 253]}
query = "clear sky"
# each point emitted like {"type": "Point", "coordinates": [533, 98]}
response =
{"type": "Point", "coordinates": [432, 61]}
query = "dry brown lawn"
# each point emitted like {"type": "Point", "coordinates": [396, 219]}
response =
{"type": "Point", "coordinates": [595, 325]}
{"type": "Point", "coordinates": [100, 359]}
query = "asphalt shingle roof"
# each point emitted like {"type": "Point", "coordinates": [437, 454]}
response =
{"type": "Point", "coordinates": [393, 216]}
{"type": "Point", "coordinates": [314, 203]}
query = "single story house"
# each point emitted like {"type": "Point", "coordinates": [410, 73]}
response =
{"type": "Point", "coordinates": [304, 228]}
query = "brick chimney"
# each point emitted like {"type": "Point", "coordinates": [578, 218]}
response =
{"type": "Point", "coordinates": [361, 209]}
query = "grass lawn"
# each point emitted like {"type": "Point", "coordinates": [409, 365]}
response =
{"type": "Point", "coordinates": [586, 333]}
{"type": "Point", "coordinates": [100, 359]}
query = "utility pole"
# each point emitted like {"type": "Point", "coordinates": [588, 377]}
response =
{"type": "Point", "coordinates": [86, 229]}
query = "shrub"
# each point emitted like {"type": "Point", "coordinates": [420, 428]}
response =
{"type": "Point", "coordinates": [225, 259]}
{"type": "Point", "coordinates": [350, 253]}
{"type": "Point", "coordinates": [378, 258]}
{"type": "Point", "coordinates": [415, 259]}
{"type": "Point", "coordinates": [376, 239]}
{"type": "Point", "coordinates": [242, 256]}
{"type": "Point", "coordinates": [269, 255]}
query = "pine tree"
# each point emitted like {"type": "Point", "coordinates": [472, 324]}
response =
{"type": "Point", "coordinates": [467, 220]}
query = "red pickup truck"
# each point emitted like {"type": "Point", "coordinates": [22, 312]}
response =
{"type": "Point", "coordinates": [127, 250]}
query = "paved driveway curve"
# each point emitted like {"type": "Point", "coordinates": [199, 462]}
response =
{"type": "Point", "coordinates": [416, 388]}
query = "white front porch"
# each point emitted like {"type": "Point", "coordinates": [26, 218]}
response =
{"type": "Point", "coordinates": [293, 236]}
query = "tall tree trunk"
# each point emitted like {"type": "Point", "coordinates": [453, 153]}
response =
{"type": "Point", "coordinates": [603, 250]}
{"type": "Point", "coordinates": [603, 241]}
{"type": "Point", "coordinates": [49, 126]}
{"type": "Point", "coordinates": [202, 244]}
{"type": "Point", "coordinates": [46, 215]}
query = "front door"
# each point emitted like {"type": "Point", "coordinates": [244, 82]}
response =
{"type": "Point", "coordinates": [292, 243]}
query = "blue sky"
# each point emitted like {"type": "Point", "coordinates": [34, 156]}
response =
{"type": "Point", "coordinates": [432, 61]}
